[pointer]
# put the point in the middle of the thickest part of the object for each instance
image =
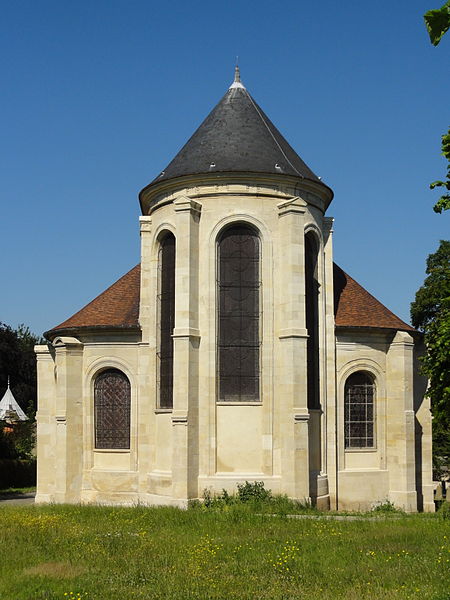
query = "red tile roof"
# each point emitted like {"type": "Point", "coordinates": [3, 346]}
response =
{"type": "Point", "coordinates": [355, 307]}
{"type": "Point", "coordinates": [118, 307]}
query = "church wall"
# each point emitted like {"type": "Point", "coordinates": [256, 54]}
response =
{"type": "Point", "coordinates": [251, 440]}
{"type": "Point", "coordinates": [394, 469]}
{"type": "Point", "coordinates": [109, 474]}
{"type": "Point", "coordinates": [175, 454]}
{"type": "Point", "coordinates": [362, 352]}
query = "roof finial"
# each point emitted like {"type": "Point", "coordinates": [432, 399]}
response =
{"type": "Point", "coordinates": [237, 76]}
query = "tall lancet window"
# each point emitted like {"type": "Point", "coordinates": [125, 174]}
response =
{"type": "Point", "coordinates": [238, 286]}
{"type": "Point", "coordinates": [166, 314]}
{"type": "Point", "coordinates": [312, 319]}
{"type": "Point", "coordinates": [112, 402]}
{"type": "Point", "coordinates": [359, 413]}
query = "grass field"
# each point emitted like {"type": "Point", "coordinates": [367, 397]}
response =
{"type": "Point", "coordinates": [100, 553]}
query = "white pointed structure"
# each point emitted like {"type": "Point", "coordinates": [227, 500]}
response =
{"type": "Point", "coordinates": [9, 408]}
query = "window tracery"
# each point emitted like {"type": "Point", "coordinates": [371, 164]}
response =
{"type": "Point", "coordinates": [238, 320]}
{"type": "Point", "coordinates": [359, 411]}
{"type": "Point", "coordinates": [166, 314]}
{"type": "Point", "coordinates": [112, 407]}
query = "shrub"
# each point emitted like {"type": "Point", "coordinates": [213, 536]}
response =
{"type": "Point", "coordinates": [253, 492]}
{"type": "Point", "coordinates": [386, 507]}
{"type": "Point", "coordinates": [248, 492]}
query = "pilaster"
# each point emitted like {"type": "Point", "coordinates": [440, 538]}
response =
{"type": "Point", "coordinates": [69, 419]}
{"type": "Point", "coordinates": [400, 423]}
{"type": "Point", "coordinates": [146, 303]}
{"type": "Point", "coordinates": [329, 404]}
{"type": "Point", "coordinates": [46, 425]}
{"type": "Point", "coordinates": [186, 337]}
{"type": "Point", "coordinates": [291, 377]}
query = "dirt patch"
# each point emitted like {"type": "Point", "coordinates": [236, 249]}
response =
{"type": "Point", "coordinates": [59, 570]}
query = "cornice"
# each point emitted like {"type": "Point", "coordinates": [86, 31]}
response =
{"type": "Point", "coordinates": [235, 184]}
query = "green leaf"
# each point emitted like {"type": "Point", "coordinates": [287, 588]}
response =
{"type": "Point", "coordinates": [437, 22]}
{"type": "Point", "coordinates": [442, 204]}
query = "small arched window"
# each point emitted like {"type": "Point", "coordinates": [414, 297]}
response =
{"type": "Point", "coordinates": [112, 403]}
{"type": "Point", "coordinates": [166, 314]}
{"type": "Point", "coordinates": [312, 319]}
{"type": "Point", "coordinates": [238, 337]}
{"type": "Point", "coordinates": [359, 411]}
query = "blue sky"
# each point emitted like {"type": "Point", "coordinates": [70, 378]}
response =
{"type": "Point", "coordinates": [97, 97]}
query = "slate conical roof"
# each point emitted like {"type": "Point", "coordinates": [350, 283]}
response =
{"type": "Point", "coordinates": [237, 136]}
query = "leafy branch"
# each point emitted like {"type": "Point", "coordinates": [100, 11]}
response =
{"type": "Point", "coordinates": [444, 201]}
{"type": "Point", "coordinates": [437, 22]}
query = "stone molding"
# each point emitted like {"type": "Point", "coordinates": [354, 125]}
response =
{"type": "Point", "coordinates": [186, 332]}
{"type": "Point", "coordinates": [67, 342]}
{"type": "Point", "coordinates": [301, 417]}
{"type": "Point", "coordinates": [294, 205]}
{"type": "Point", "coordinates": [180, 419]}
{"type": "Point", "coordinates": [185, 204]}
{"type": "Point", "coordinates": [294, 332]}
{"type": "Point", "coordinates": [145, 224]}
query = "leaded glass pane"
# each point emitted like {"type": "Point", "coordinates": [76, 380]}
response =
{"type": "Point", "coordinates": [166, 306]}
{"type": "Point", "coordinates": [238, 315]}
{"type": "Point", "coordinates": [112, 399]}
{"type": "Point", "coordinates": [312, 320]}
{"type": "Point", "coordinates": [359, 411]}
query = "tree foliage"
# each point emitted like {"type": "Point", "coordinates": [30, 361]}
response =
{"type": "Point", "coordinates": [18, 362]}
{"type": "Point", "coordinates": [430, 312]}
{"type": "Point", "coordinates": [437, 22]}
{"type": "Point", "coordinates": [444, 201]}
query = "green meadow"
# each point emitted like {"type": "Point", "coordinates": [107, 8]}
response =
{"type": "Point", "coordinates": [59, 552]}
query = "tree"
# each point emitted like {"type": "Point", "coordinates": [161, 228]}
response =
{"type": "Point", "coordinates": [437, 22]}
{"type": "Point", "coordinates": [444, 201]}
{"type": "Point", "coordinates": [430, 312]}
{"type": "Point", "coordinates": [18, 362]}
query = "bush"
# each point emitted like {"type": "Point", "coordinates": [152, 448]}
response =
{"type": "Point", "coordinates": [17, 473]}
{"type": "Point", "coordinates": [253, 492]}
{"type": "Point", "coordinates": [386, 507]}
{"type": "Point", "coordinates": [247, 492]}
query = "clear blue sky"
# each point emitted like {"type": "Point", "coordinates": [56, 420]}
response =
{"type": "Point", "coordinates": [98, 96]}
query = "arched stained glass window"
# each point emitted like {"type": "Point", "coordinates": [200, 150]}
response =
{"type": "Point", "coordinates": [112, 403]}
{"type": "Point", "coordinates": [312, 319]}
{"type": "Point", "coordinates": [166, 314]}
{"type": "Point", "coordinates": [359, 411]}
{"type": "Point", "coordinates": [238, 287]}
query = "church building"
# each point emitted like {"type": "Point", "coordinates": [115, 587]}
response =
{"type": "Point", "coordinates": [237, 350]}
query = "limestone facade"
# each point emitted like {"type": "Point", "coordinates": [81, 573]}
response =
{"type": "Point", "coordinates": [201, 443]}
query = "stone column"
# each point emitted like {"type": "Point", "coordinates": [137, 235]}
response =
{"type": "Point", "coordinates": [69, 419]}
{"type": "Point", "coordinates": [186, 346]}
{"type": "Point", "coordinates": [291, 374]}
{"type": "Point", "coordinates": [328, 370]}
{"type": "Point", "coordinates": [46, 425]}
{"type": "Point", "coordinates": [147, 301]}
{"type": "Point", "coordinates": [147, 346]}
{"type": "Point", "coordinates": [400, 422]}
